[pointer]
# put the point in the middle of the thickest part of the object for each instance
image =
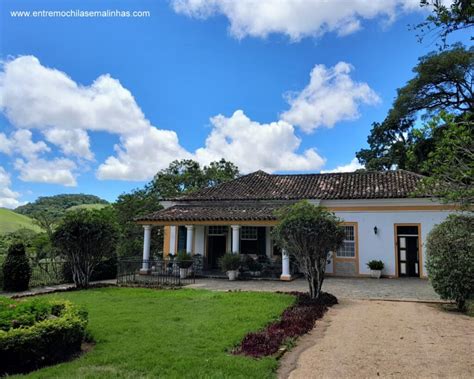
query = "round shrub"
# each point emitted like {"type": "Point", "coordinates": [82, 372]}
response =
{"type": "Point", "coordinates": [16, 269]}
{"type": "Point", "coordinates": [450, 258]}
{"type": "Point", "coordinates": [38, 332]}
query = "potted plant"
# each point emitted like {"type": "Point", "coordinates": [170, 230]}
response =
{"type": "Point", "coordinates": [376, 268]}
{"type": "Point", "coordinates": [255, 267]}
{"type": "Point", "coordinates": [230, 263]}
{"type": "Point", "coordinates": [184, 262]}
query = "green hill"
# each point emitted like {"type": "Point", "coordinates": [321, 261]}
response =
{"type": "Point", "coordinates": [57, 205]}
{"type": "Point", "coordinates": [86, 206]}
{"type": "Point", "coordinates": [11, 222]}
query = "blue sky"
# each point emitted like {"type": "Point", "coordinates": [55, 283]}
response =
{"type": "Point", "coordinates": [198, 81]}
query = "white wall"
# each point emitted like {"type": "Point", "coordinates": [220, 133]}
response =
{"type": "Point", "coordinates": [381, 245]}
{"type": "Point", "coordinates": [199, 245]}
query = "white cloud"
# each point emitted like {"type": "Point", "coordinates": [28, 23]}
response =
{"type": "Point", "coordinates": [33, 96]}
{"type": "Point", "coordinates": [73, 142]}
{"type": "Point", "coordinates": [140, 156]}
{"type": "Point", "coordinates": [350, 167]}
{"type": "Point", "coordinates": [54, 100]}
{"type": "Point", "coordinates": [8, 198]}
{"type": "Point", "coordinates": [254, 146]}
{"type": "Point", "coordinates": [56, 171]}
{"type": "Point", "coordinates": [331, 96]}
{"type": "Point", "coordinates": [65, 111]}
{"type": "Point", "coordinates": [294, 18]}
{"type": "Point", "coordinates": [21, 142]}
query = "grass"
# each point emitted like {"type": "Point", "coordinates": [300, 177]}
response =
{"type": "Point", "coordinates": [11, 222]}
{"type": "Point", "coordinates": [143, 333]}
{"type": "Point", "coordinates": [87, 206]}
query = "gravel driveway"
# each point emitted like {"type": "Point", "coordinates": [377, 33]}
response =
{"type": "Point", "coordinates": [366, 339]}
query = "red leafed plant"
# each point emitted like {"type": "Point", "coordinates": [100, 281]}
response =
{"type": "Point", "coordinates": [295, 321]}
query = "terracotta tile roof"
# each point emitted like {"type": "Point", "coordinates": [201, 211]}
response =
{"type": "Point", "coordinates": [215, 213]}
{"type": "Point", "coordinates": [341, 186]}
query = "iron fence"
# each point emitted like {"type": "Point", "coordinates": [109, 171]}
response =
{"type": "Point", "coordinates": [166, 272]}
{"type": "Point", "coordinates": [47, 274]}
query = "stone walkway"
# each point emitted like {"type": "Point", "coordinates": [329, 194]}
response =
{"type": "Point", "coordinates": [343, 288]}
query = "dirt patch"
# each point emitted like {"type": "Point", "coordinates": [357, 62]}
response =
{"type": "Point", "coordinates": [384, 339]}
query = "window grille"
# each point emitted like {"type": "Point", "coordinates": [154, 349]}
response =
{"type": "Point", "coordinates": [347, 250]}
{"type": "Point", "coordinates": [249, 233]}
{"type": "Point", "coordinates": [217, 230]}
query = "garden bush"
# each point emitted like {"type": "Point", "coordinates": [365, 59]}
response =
{"type": "Point", "coordinates": [295, 321]}
{"type": "Point", "coordinates": [16, 269]}
{"type": "Point", "coordinates": [450, 258]}
{"type": "Point", "coordinates": [38, 332]}
{"type": "Point", "coordinates": [229, 262]}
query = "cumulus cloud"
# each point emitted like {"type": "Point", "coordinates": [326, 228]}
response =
{"type": "Point", "coordinates": [55, 171]}
{"type": "Point", "coordinates": [140, 156]}
{"type": "Point", "coordinates": [31, 166]}
{"type": "Point", "coordinates": [256, 146]}
{"type": "Point", "coordinates": [331, 96]}
{"type": "Point", "coordinates": [54, 100]}
{"type": "Point", "coordinates": [21, 142]}
{"type": "Point", "coordinates": [73, 142]}
{"type": "Point", "coordinates": [64, 112]}
{"type": "Point", "coordinates": [350, 167]}
{"type": "Point", "coordinates": [8, 198]}
{"type": "Point", "coordinates": [294, 18]}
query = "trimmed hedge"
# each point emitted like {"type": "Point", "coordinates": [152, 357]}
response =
{"type": "Point", "coordinates": [16, 269]}
{"type": "Point", "coordinates": [41, 332]}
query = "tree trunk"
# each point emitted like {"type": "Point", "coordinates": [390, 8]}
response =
{"type": "Point", "coordinates": [461, 304]}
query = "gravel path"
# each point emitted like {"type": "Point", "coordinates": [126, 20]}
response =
{"type": "Point", "coordinates": [369, 339]}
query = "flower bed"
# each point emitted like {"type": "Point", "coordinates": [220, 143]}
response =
{"type": "Point", "coordinates": [295, 321]}
{"type": "Point", "coordinates": [37, 332]}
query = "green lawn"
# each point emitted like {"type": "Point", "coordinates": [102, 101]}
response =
{"type": "Point", "coordinates": [144, 333]}
{"type": "Point", "coordinates": [11, 222]}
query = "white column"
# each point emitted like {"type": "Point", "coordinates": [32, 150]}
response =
{"type": "Point", "coordinates": [285, 266]}
{"type": "Point", "coordinates": [146, 248]}
{"type": "Point", "coordinates": [189, 238]}
{"type": "Point", "coordinates": [172, 240]}
{"type": "Point", "coordinates": [235, 239]}
{"type": "Point", "coordinates": [268, 242]}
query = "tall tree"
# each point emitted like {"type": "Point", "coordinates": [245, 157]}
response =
{"type": "Point", "coordinates": [309, 233]}
{"type": "Point", "coordinates": [128, 206]}
{"type": "Point", "coordinates": [445, 19]}
{"type": "Point", "coordinates": [84, 238]}
{"type": "Point", "coordinates": [186, 176]}
{"type": "Point", "coordinates": [220, 172]}
{"type": "Point", "coordinates": [451, 163]}
{"type": "Point", "coordinates": [443, 82]}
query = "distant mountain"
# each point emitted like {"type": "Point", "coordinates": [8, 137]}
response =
{"type": "Point", "coordinates": [11, 222]}
{"type": "Point", "coordinates": [59, 204]}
